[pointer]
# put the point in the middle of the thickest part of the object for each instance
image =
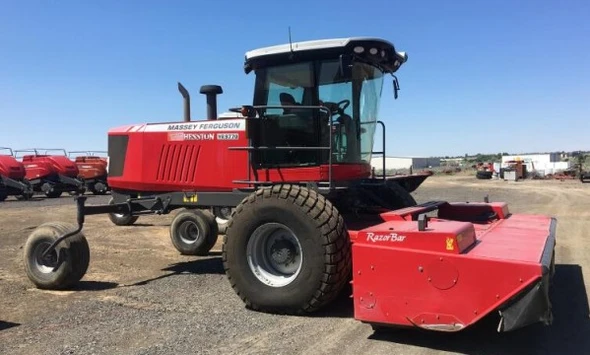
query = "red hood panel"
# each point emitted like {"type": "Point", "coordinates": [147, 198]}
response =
{"type": "Point", "coordinates": [11, 167]}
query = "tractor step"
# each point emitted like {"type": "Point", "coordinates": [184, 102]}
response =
{"type": "Point", "coordinates": [446, 275]}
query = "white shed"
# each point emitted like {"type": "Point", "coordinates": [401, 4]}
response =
{"type": "Point", "coordinates": [391, 163]}
{"type": "Point", "coordinates": [399, 163]}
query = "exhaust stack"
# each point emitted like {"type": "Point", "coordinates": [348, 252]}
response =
{"type": "Point", "coordinates": [187, 102]}
{"type": "Point", "coordinates": [211, 91]}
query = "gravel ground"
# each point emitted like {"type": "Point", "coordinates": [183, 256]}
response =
{"type": "Point", "coordinates": [140, 297]}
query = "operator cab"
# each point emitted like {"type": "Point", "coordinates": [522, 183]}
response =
{"type": "Point", "coordinates": [345, 76]}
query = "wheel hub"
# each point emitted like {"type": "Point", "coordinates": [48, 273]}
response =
{"type": "Point", "coordinates": [274, 253]}
{"type": "Point", "coordinates": [283, 252]}
{"type": "Point", "coordinates": [189, 232]}
{"type": "Point", "coordinates": [100, 187]}
{"type": "Point", "coordinates": [48, 262]}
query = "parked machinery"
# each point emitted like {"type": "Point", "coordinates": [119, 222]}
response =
{"type": "Point", "coordinates": [12, 177]}
{"type": "Point", "coordinates": [50, 171]}
{"type": "Point", "coordinates": [308, 217]}
{"type": "Point", "coordinates": [484, 171]}
{"type": "Point", "coordinates": [92, 166]}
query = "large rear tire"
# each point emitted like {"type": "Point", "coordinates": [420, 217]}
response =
{"type": "Point", "coordinates": [396, 196]}
{"type": "Point", "coordinates": [286, 250]}
{"type": "Point", "coordinates": [53, 272]}
{"type": "Point", "coordinates": [194, 232]}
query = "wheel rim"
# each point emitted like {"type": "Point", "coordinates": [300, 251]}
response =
{"type": "Point", "coordinates": [189, 232]}
{"type": "Point", "coordinates": [45, 264]}
{"type": "Point", "coordinates": [117, 215]}
{"type": "Point", "coordinates": [275, 255]}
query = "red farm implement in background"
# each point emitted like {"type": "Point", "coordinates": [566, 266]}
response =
{"type": "Point", "coordinates": [308, 216]}
{"type": "Point", "coordinates": [50, 171]}
{"type": "Point", "coordinates": [92, 166]}
{"type": "Point", "coordinates": [12, 177]}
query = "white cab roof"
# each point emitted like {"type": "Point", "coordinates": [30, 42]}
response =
{"type": "Point", "coordinates": [313, 45]}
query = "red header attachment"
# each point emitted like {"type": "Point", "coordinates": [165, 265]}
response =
{"type": "Point", "coordinates": [437, 236]}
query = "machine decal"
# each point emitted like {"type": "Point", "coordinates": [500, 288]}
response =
{"type": "Point", "coordinates": [450, 244]}
{"type": "Point", "coordinates": [391, 237]}
{"type": "Point", "coordinates": [203, 126]}
{"type": "Point", "coordinates": [228, 136]}
{"type": "Point", "coordinates": [181, 136]}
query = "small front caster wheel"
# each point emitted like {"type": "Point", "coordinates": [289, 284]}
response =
{"type": "Point", "coordinates": [62, 267]}
{"type": "Point", "coordinates": [194, 232]}
{"type": "Point", "coordinates": [121, 219]}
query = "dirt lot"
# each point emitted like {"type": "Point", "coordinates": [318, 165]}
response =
{"type": "Point", "coordinates": [140, 297]}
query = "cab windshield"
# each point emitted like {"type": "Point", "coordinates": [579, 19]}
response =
{"type": "Point", "coordinates": [350, 92]}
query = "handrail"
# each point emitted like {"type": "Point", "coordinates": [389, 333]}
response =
{"type": "Point", "coordinates": [318, 148]}
{"type": "Point", "coordinates": [382, 152]}
{"type": "Point", "coordinates": [8, 149]}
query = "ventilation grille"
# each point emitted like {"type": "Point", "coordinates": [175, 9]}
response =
{"type": "Point", "coordinates": [177, 163]}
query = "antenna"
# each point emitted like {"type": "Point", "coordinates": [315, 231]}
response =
{"type": "Point", "coordinates": [290, 42]}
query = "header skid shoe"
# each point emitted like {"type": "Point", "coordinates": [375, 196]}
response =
{"type": "Point", "coordinates": [448, 272]}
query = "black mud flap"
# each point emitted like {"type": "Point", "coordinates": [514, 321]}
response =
{"type": "Point", "coordinates": [533, 305]}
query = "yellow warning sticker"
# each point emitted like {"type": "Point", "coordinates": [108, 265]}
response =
{"type": "Point", "coordinates": [450, 244]}
{"type": "Point", "coordinates": [189, 199]}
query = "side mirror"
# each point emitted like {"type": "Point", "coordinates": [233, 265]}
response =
{"type": "Point", "coordinates": [344, 65]}
{"type": "Point", "coordinates": [395, 87]}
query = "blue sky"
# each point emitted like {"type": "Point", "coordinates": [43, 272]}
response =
{"type": "Point", "coordinates": [482, 76]}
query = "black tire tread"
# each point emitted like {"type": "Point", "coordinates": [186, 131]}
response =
{"type": "Point", "coordinates": [210, 237]}
{"type": "Point", "coordinates": [484, 175]}
{"type": "Point", "coordinates": [79, 246]}
{"type": "Point", "coordinates": [78, 254]}
{"type": "Point", "coordinates": [401, 194]}
{"type": "Point", "coordinates": [337, 246]}
{"type": "Point", "coordinates": [53, 194]}
{"type": "Point", "coordinates": [213, 231]}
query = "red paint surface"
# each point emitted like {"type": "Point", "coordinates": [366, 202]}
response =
{"type": "Point", "coordinates": [419, 282]}
{"type": "Point", "coordinates": [39, 166]}
{"type": "Point", "coordinates": [91, 166]}
{"type": "Point", "coordinates": [12, 168]}
{"type": "Point", "coordinates": [160, 161]}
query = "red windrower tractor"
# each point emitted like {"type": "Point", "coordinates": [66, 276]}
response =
{"type": "Point", "coordinates": [92, 166]}
{"type": "Point", "coordinates": [307, 217]}
{"type": "Point", "coordinates": [50, 171]}
{"type": "Point", "coordinates": [12, 177]}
